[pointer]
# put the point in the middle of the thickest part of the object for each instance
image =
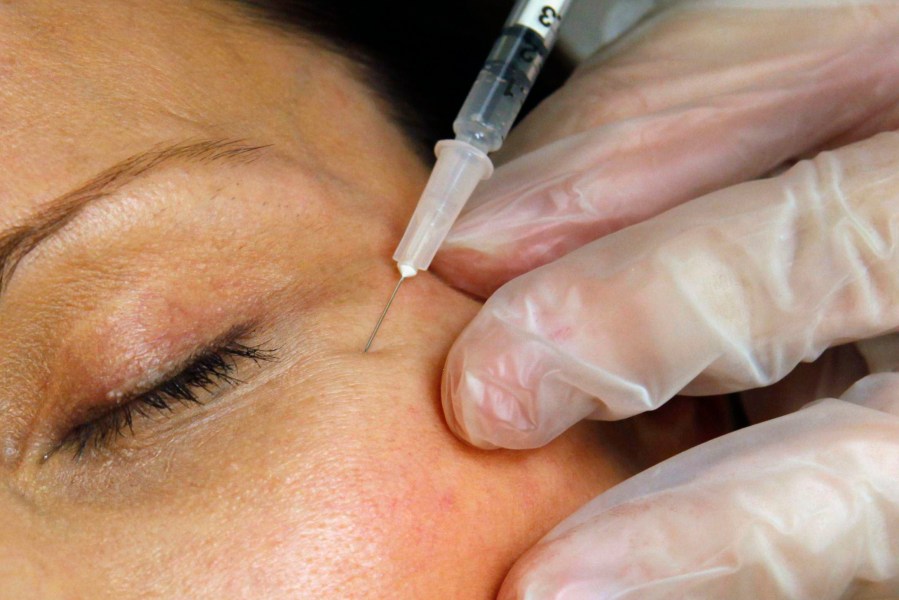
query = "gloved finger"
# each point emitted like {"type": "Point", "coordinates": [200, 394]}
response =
{"type": "Point", "coordinates": [696, 101]}
{"type": "Point", "coordinates": [728, 292]}
{"type": "Point", "coordinates": [802, 507]}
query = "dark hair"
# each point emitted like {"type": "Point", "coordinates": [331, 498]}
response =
{"type": "Point", "coordinates": [422, 57]}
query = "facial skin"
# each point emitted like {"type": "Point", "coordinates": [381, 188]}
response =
{"type": "Point", "coordinates": [328, 472]}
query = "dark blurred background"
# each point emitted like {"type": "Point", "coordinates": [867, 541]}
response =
{"type": "Point", "coordinates": [424, 54]}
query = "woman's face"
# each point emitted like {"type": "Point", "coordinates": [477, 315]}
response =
{"type": "Point", "coordinates": [189, 201]}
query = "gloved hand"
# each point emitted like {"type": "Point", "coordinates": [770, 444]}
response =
{"type": "Point", "coordinates": [801, 507]}
{"type": "Point", "coordinates": [720, 284]}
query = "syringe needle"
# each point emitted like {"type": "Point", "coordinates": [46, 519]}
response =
{"type": "Point", "coordinates": [374, 332]}
{"type": "Point", "coordinates": [481, 126]}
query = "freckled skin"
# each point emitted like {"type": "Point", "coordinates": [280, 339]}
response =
{"type": "Point", "coordinates": [329, 473]}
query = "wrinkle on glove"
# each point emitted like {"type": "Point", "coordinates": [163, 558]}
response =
{"type": "Point", "coordinates": [802, 507]}
{"type": "Point", "coordinates": [728, 292]}
{"type": "Point", "coordinates": [626, 291]}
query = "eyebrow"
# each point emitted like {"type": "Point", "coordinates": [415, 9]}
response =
{"type": "Point", "coordinates": [17, 241]}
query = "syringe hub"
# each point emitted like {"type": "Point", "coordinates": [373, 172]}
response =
{"type": "Point", "coordinates": [460, 167]}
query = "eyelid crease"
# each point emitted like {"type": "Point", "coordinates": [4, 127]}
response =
{"type": "Point", "coordinates": [207, 369]}
{"type": "Point", "coordinates": [150, 381]}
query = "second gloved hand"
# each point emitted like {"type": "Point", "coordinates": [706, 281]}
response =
{"type": "Point", "coordinates": [645, 262]}
{"type": "Point", "coordinates": [802, 507]}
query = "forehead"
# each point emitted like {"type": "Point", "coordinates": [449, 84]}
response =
{"type": "Point", "coordinates": [86, 84]}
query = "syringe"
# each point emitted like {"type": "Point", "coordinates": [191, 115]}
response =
{"type": "Point", "coordinates": [481, 126]}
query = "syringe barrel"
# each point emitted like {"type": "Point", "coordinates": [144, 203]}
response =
{"type": "Point", "coordinates": [459, 169]}
{"type": "Point", "coordinates": [509, 73]}
{"type": "Point", "coordinates": [483, 123]}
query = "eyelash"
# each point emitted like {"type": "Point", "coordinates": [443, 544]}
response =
{"type": "Point", "coordinates": [207, 372]}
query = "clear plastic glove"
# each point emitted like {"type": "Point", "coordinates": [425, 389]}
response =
{"type": "Point", "coordinates": [698, 98]}
{"type": "Point", "coordinates": [802, 507]}
{"type": "Point", "coordinates": [717, 286]}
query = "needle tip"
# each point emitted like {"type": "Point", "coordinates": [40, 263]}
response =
{"type": "Point", "coordinates": [374, 332]}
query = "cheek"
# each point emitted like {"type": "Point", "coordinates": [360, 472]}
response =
{"type": "Point", "coordinates": [338, 526]}
{"type": "Point", "coordinates": [378, 534]}
{"type": "Point", "coordinates": [373, 497]}
{"type": "Point", "coordinates": [385, 505]}
{"type": "Point", "coordinates": [335, 481]}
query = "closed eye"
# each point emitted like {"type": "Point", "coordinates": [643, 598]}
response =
{"type": "Point", "coordinates": [204, 376]}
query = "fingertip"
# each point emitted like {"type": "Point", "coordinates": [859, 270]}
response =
{"type": "Point", "coordinates": [484, 414]}
{"type": "Point", "coordinates": [550, 571]}
{"type": "Point", "coordinates": [458, 418]}
{"type": "Point", "coordinates": [501, 389]}
{"type": "Point", "coordinates": [478, 407]}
